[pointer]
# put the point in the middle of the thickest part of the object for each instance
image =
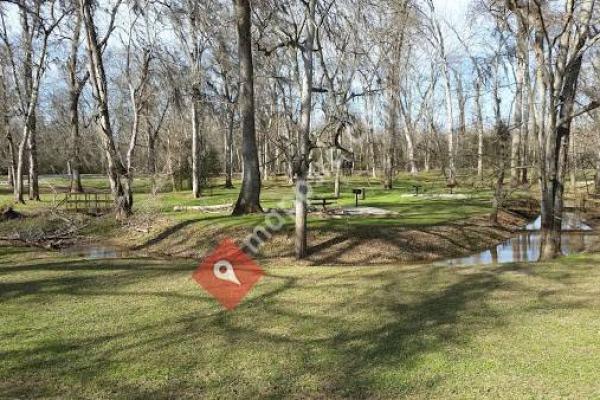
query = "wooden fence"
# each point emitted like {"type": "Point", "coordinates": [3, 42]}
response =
{"type": "Point", "coordinates": [92, 203]}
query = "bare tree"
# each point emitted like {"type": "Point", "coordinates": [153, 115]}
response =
{"type": "Point", "coordinates": [190, 21]}
{"type": "Point", "coordinates": [437, 39]}
{"type": "Point", "coordinates": [5, 113]}
{"type": "Point", "coordinates": [302, 164]}
{"type": "Point", "coordinates": [154, 125]}
{"type": "Point", "coordinates": [395, 48]}
{"type": "Point", "coordinates": [117, 172]}
{"type": "Point", "coordinates": [559, 53]}
{"type": "Point", "coordinates": [392, 119]}
{"type": "Point", "coordinates": [224, 83]}
{"type": "Point", "coordinates": [76, 85]}
{"type": "Point", "coordinates": [521, 103]}
{"type": "Point", "coordinates": [501, 129]}
{"type": "Point", "coordinates": [479, 85]}
{"type": "Point", "coordinates": [249, 198]}
{"type": "Point", "coordinates": [138, 59]}
{"type": "Point", "coordinates": [38, 21]}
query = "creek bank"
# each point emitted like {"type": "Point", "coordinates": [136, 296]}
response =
{"type": "Point", "coordinates": [525, 246]}
{"type": "Point", "coordinates": [376, 242]}
{"type": "Point", "coordinates": [352, 244]}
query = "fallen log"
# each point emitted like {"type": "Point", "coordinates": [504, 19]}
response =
{"type": "Point", "coordinates": [205, 209]}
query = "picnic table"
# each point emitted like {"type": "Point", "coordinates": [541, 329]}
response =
{"type": "Point", "coordinates": [417, 188]}
{"type": "Point", "coordinates": [323, 201]}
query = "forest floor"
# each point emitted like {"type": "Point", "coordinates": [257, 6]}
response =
{"type": "Point", "coordinates": [139, 328]}
{"type": "Point", "coordinates": [432, 226]}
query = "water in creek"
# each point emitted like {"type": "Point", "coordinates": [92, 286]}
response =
{"type": "Point", "coordinates": [571, 222]}
{"type": "Point", "coordinates": [95, 252]}
{"type": "Point", "coordinates": [525, 246]}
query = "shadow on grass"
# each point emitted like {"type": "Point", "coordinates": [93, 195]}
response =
{"type": "Point", "coordinates": [302, 325]}
{"type": "Point", "coordinates": [80, 277]}
{"type": "Point", "coordinates": [348, 244]}
{"type": "Point", "coordinates": [175, 229]}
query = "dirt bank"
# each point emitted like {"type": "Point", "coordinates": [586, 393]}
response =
{"type": "Point", "coordinates": [357, 244]}
{"type": "Point", "coordinates": [393, 245]}
{"type": "Point", "coordinates": [334, 242]}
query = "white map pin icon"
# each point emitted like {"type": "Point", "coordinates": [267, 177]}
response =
{"type": "Point", "coordinates": [224, 271]}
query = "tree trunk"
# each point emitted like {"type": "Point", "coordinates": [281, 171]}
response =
{"type": "Point", "coordinates": [373, 159]}
{"type": "Point", "coordinates": [449, 118]}
{"type": "Point", "coordinates": [371, 150]}
{"type": "Point", "coordinates": [75, 87]}
{"type": "Point", "coordinates": [266, 161]}
{"type": "Point", "coordinates": [573, 167]}
{"type": "Point", "coordinates": [478, 87]}
{"type": "Point", "coordinates": [515, 150]}
{"type": "Point", "coordinates": [322, 163]}
{"type": "Point", "coordinates": [337, 186]}
{"type": "Point", "coordinates": [525, 125]}
{"type": "Point", "coordinates": [34, 189]}
{"type": "Point", "coordinates": [426, 156]}
{"type": "Point", "coordinates": [388, 183]}
{"type": "Point", "coordinates": [462, 105]}
{"type": "Point", "coordinates": [597, 177]}
{"type": "Point", "coordinates": [12, 155]}
{"type": "Point", "coordinates": [76, 186]}
{"type": "Point", "coordinates": [135, 128]}
{"type": "Point", "coordinates": [152, 160]}
{"type": "Point", "coordinates": [32, 85]}
{"type": "Point", "coordinates": [410, 150]}
{"type": "Point", "coordinates": [390, 157]}
{"type": "Point", "coordinates": [304, 131]}
{"type": "Point", "coordinates": [249, 198]}
{"type": "Point", "coordinates": [117, 174]}
{"type": "Point", "coordinates": [18, 187]}
{"type": "Point", "coordinates": [555, 155]}
{"type": "Point", "coordinates": [11, 177]}
{"type": "Point", "coordinates": [11, 169]}
{"type": "Point", "coordinates": [170, 168]}
{"type": "Point", "coordinates": [196, 143]}
{"type": "Point", "coordinates": [229, 148]}
{"type": "Point", "coordinates": [151, 167]}
{"type": "Point", "coordinates": [503, 135]}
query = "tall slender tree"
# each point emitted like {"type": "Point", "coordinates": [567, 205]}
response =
{"type": "Point", "coordinates": [249, 198]}
{"type": "Point", "coordinates": [76, 85]}
{"type": "Point", "coordinates": [38, 21]}
{"type": "Point", "coordinates": [117, 172]}
{"type": "Point", "coordinates": [303, 161]}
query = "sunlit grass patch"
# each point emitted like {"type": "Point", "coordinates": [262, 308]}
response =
{"type": "Point", "coordinates": [139, 328]}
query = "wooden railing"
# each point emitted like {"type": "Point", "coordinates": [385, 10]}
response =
{"type": "Point", "coordinates": [93, 203]}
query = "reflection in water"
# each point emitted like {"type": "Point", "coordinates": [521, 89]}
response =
{"type": "Point", "coordinates": [571, 222]}
{"type": "Point", "coordinates": [525, 247]}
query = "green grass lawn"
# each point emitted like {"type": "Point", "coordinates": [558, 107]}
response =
{"type": "Point", "coordinates": [156, 228]}
{"type": "Point", "coordinates": [412, 211]}
{"type": "Point", "coordinates": [141, 328]}
{"type": "Point", "coordinates": [274, 190]}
